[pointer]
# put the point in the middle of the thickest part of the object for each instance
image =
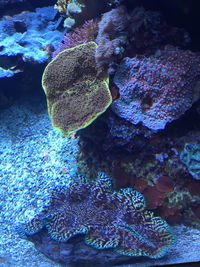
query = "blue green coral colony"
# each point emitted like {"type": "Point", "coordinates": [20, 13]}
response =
{"type": "Point", "coordinates": [190, 156]}
{"type": "Point", "coordinates": [109, 219]}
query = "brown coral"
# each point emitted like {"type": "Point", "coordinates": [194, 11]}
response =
{"type": "Point", "coordinates": [76, 96]}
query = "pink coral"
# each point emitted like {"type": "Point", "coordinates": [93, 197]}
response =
{"type": "Point", "coordinates": [158, 89]}
{"type": "Point", "coordinates": [84, 34]}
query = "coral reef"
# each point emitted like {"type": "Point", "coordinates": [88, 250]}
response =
{"type": "Point", "coordinates": [112, 37]}
{"type": "Point", "coordinates": [61, 6]}
{"type": "Point", "coordinates": [76, 12]}
{"type": "Point", "coordinates": [68, 7]}
{"type": "Point", "coordinates": [149, 163]}
{"type": "Point", "coordinates": [158, 89]}
{"type": "Point", "coordinates": [191, 158]}
{"type": "Point", "coordinates": [76, 96]}
{"type": "Point", "coordinates": [139, 32]}
{"type": "Point", "coordinates": [129, 58]}
{"type": "Point", "coordinates": [80, 35]}
{"type": "Point", "coordinates": [26, 37]}
{"type": "Point", "coordinates": [107, 218]}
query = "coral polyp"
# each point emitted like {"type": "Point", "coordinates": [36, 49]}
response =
{"type": "Point", "coordinates": [109, 219]}
{"type": "Point", "coordinates": [158, 89]}
{"type": "Point", "coordinates": [76, 95]}
{"type": "Point", "coordinates": [81, 35]}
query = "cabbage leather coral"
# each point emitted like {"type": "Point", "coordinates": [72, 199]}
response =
{"type": "Point", "coordinates": [158, 89]}
{"type": "Point", "coordinates": [76, 95]}
{"type": "Point", "coordinates": [108, 219]}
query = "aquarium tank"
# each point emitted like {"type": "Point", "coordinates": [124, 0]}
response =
{"type": "Point", "coordinates": [99, 133]}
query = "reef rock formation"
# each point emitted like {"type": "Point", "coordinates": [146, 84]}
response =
{"type": "Point", "coordinates": [128, 34]}
{"type": "Point", "coordinates": [27, 37]}
{"type": "Point", "coordinates": [158, 89]}
{"type": "Point", "coordinates": [112, 36]}
{"type": "Point", "coordinates": [108, 219]}
{"type": "Point", "coordinates": [76, 95]}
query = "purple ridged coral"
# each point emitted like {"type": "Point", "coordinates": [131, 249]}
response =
{"type": "Point", "coordinates": [80, 35]}
{"type": "Point", "coordinates": [158, 89]}
{"type": "Point", "coordinates": [107, 218]}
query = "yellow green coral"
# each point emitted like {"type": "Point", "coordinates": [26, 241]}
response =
{"type": "Point", "coordinates": [76, 95]}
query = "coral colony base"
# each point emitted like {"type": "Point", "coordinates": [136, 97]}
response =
{"type": "Point", "coordinates": [116, 179]}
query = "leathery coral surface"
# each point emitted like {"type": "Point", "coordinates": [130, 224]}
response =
{"type": "Point", "coordinates": [109, 219]}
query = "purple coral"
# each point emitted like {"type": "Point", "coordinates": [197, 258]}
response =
{"type": "Point", "coordinates": [107, 218]}
{"type": "Point", "coordinates": [139, 32]}
{"type": "Point", "coordinates": [112, 36]}
{"type": "Point", "coordinates": [148, 31]}
{"type": "Point", "coordinates": [80, 35]}
{"type": "Point", "coordinates": [158, 89]}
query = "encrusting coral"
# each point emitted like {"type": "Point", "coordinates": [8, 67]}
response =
{"type": "Point", "coordinates": [158, 89]}
{"type": "Point", "coordinates": [76, 95]}
{"type": "Point", "coordinates": [108, 219]}
{"type": "Point", "coordinates": [27, 37]}
{"type": "Point", "coordinates": [112, 36]}
{"type": "Point", "coordinates": [122, 33]}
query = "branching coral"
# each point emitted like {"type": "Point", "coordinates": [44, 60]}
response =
{"type": "Point", "coordinates": [107, 218]}
{"type": "Point", "coordinates": [158, 89]}
{"type": "Point", "coordinates": [76, 96]}
{"type": "Point", "coordinates": [80, 35]}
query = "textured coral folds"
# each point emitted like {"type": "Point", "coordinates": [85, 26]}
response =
{"type": "Point", "coordinates": [109, 219]}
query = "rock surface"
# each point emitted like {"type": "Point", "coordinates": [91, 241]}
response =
{"type": "Point", "coordinates": [75, 251]}
{"type": "Point", "coordinates": [27, 37]}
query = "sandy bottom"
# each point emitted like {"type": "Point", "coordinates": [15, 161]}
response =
{"type": "Point", "coordinates": [33, 159]}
